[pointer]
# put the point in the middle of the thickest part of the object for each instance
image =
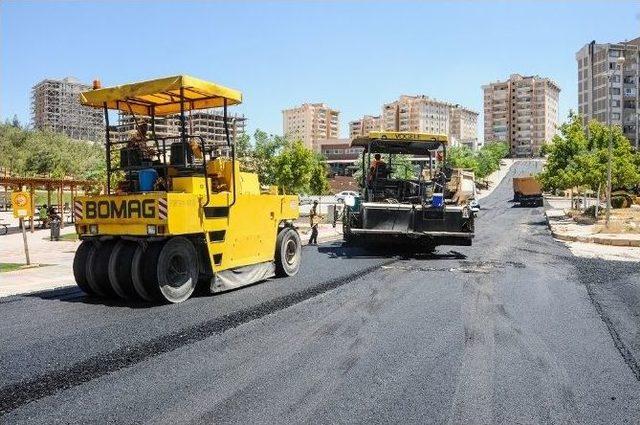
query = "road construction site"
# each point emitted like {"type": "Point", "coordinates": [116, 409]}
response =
{"type": "Point", "coordinates": [513, 329]}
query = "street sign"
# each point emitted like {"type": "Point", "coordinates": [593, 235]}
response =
{"type": "Point", "coordinates": [21, 204]}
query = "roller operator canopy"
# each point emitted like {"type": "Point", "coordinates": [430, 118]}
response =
{"type": "Point", "coordinates": [162, 96]}
{"type": "Point", "coordinates": [401, 142]}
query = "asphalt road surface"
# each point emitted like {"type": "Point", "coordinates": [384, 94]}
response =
{"type": "Point", "coordinates": [511, 330]}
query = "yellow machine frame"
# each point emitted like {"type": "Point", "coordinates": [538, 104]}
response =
{"type": "Point", "coordinates": [218, 207]}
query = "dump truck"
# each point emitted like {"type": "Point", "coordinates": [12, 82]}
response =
{"type": "Point", "coordinates": [422, 210]}
{"type": "Point", "coordinates": [527, 191]}
{"type": "Point", "coordinates": [182, 212]}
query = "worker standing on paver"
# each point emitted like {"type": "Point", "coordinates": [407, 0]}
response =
{"type": "Point", "coordinates": [314, 219]}
{"type": "Point", "coordinates": [378, 166]}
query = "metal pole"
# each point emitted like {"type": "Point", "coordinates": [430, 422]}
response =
{"type": "Point", "coordinates": [31, 192]}
{"type": "Point", "coordinates": [183, 134]}
{"type": "Point", "coordinates": [107, 147]}
{"type": "Point", "coordinates": [637, 84]}
{"type": "Point", "coordinates": [24, 240]}
{"type": "Point", "coordinates": [619, 61]}
{"type": "Point", "coordinates": [609, 149]}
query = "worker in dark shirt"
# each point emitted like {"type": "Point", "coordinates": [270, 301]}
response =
{"type": "Point", "coordinates": [377, 164]}
{"type": "Point", "coordinates": [314, 219]}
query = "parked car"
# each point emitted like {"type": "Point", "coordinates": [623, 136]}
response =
{"type": "Point", "coordinates": [305, 199]}
{"type": "Point", "coordinates": [340, 196]}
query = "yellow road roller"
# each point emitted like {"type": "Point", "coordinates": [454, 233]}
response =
{"type": "Point", "coordinates": [177, 211]}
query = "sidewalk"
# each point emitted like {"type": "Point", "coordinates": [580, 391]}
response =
{"type": "Point", "coordinates": [586, 239]}
{"type": "Point", "coordinates": [326, 231]}
{"type": "Point", "coordinates": [51, 262]}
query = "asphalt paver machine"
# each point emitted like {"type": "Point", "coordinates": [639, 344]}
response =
{"type": "Point", "coordinates": [421, 210]}
{"type": "Point", "coordinates": [177, 211]}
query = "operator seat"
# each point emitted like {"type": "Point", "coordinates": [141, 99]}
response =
{"type": "Point", "coordinates": [379, 183]}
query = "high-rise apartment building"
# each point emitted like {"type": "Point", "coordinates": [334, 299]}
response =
{"type": "Point", "coordinates": [364, 125]}
{"type": "Point", "coordinates": [311, 123]}
{"type": "Point", "coordinates": [417, 114]}
{"type": "Point", "coordinates": [55, 106]}
{"type": "Point", "coordinates": [608, 89]}
{"type": "Point", "coordinates": [522, 111]}
{"type": "Point", "coordinates": [426, 115]}
{"type": "Point", "coordinates": [208, 124]}
{"type": "Point", "coordinates": [463, 127]}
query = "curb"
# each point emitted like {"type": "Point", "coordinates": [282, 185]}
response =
{"type": "Point", "coordinates": [602, 240]}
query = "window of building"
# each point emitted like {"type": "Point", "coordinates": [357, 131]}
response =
{"type": "Point", "coordinates": [614, 91]}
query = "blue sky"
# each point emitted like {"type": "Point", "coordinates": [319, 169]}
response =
{"type": "Point", "coordinates": [353, 56]}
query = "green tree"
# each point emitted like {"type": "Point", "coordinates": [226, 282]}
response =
{"type": "Point", "coordinates": [462, 157]}
{"type": "Point", "coordinates": [483, 162]}
{"type": "Point", "coordinates": [263, 157]}
{"type": "Point", "coordinates": [590, 166]}
{"type": "Point", "coordinates": [29, 152]}
{"type": "Point", "coordinates": [402, 167]}
{"type": "Point", "coordinates": [243, 146]}
{"type": "Point", "coordinates": [560, 170]}
{"type": "Point", "coordinates": [575, 159]}
{"type": "Point", "coordinates": [293, 167]}
{"type": "Point", "coordinates": [318, 182]}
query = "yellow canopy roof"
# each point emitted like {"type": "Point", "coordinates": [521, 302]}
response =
{"type": "Point", "coordinates": [162, 95]}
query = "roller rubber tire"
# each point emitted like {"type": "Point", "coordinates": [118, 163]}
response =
{"type": "Point", "coordinates": [142, 255]}
{"type": "Point", "coordinates": [176, 271]}
{"type": "Point", "coordinates": [169, 270]}
{"type": "Point", "coordinates": [80, 266]}
{"type": "Point", "coordinates": [98, 268]}
{"type": "Point", "coordinates": [119, 267]}
{"type": "Point", "coordinates": [288, 252]}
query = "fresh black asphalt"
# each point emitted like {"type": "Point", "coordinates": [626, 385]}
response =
{"type": "Point", "coordinates": [511, 330]}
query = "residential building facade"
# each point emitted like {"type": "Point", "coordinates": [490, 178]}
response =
{"type": "Point", "coordinates": [340, 156]}
{"type": "Point", "coordinates": [208, 124]}
{"type": "Point", "coordinates": [364, 125]}
{"type": "Point", "coordinates": [416, 113]}
{"type": "Point", "coordinates": [522, 111]}
{"type": "Point", "coordinates": [423, 114]}
{"type": "Point", "coordinates": [311, 123]}
{"type": "Point", "coordinates": [463, 127]}
{"type": "Point", "coordinates": [607, 90]}
{"type": "Point", "coordinates": [55, 106]}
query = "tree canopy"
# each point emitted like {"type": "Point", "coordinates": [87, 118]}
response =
{"type": "Point", "coordinates": [277, 161]}
{"type": "Point", "coordinates": [483, 162]}
{"type": "Point", "coordinates": [30, 152]}
{"type": "Point", "coordinates": [579, 158]}
{"type": "Point", "coordinates": [285, 163]}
